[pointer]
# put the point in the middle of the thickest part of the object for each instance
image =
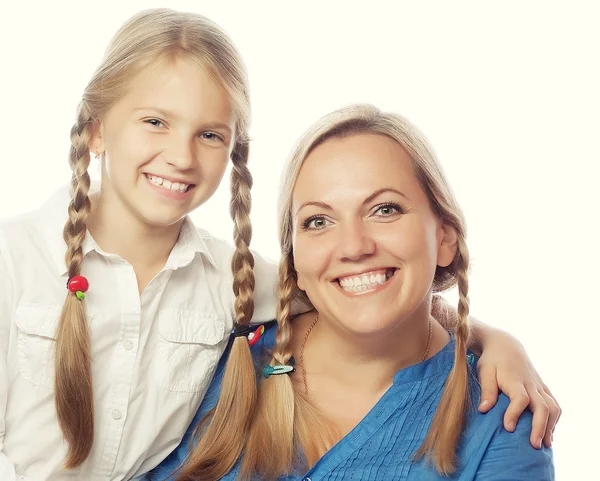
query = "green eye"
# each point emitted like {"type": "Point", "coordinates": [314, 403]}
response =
{"type": "Point", "coordinates": [388, 209]}
{"type": "Point", "coordinates": [314, 223]}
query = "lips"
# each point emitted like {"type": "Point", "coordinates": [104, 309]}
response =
{"type": "Point", "coordinates": [366, 280]}
{"type": "Point", "coordinates": [167, 184]}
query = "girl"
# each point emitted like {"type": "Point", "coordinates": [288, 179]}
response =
{"type": "Point", "coordinates": [112, 324]}
{"type": "Point", "coordinates": [369, 385]}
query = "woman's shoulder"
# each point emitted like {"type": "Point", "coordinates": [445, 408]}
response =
{"type": "Point", "coordinates": [494, 453]}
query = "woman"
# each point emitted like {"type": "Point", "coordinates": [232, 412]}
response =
{"type": "Point", "coordinates": [370, 231]}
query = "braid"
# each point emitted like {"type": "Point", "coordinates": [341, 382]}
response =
{"type": "Point", "coordinates": [73, 379]}
{"type": "Point", "coordinates": [463, 289]}
{"type": "Point", "coordinates": [221, 443]}
{"type": "Point", "coordinates": [285, 292]}
{"type": "Point", "coordinates": [269, 449]}
{"type": "Point", "coordinates": [443, 437]}
{"type": "Point", "coordinates": [242, 263]}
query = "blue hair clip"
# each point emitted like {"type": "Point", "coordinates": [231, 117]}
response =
{"type": "Point", "coordinates": [269, 370]}
{"type": "Point", "coordinates": [470, 358]}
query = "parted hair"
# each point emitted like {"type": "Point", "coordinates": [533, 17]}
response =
{"type": "Point", "coordinates": [146, 38]}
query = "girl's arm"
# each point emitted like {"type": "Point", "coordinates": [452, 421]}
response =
{"type": "Point", "coordinates": [504, 365]}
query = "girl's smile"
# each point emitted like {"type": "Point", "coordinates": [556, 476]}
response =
{"type": "Point", "coordinates": [169, 188]}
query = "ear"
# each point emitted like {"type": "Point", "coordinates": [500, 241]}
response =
{"type": "Point", "coordinates": [447, 245]}
{"type": "Point", "coordinates": [96, 144]}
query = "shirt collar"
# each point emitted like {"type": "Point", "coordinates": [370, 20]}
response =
{"type": "Point", "coordinates": [54, 216]}
{"type": "Point", "coordinates": [189, 243]}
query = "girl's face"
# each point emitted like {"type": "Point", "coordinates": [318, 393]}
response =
{"type": "Point", "coordinates": [366, 243]}
{"type": "Point", "coordinates": [166, 142]}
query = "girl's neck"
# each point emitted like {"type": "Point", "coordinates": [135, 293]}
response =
{"type": "Point", "coordinates": [118, 232]}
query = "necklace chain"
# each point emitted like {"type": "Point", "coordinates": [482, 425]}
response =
{"type": "Point", "coordinates": [312, 325]}
{"type": "Point", "coordinates": [302, 353]}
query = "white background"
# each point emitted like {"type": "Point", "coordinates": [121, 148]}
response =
{"type": "Point", "coordinates": [507, 93]}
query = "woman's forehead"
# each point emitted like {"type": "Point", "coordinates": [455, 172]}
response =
{"type": "Point", "coordinates": [345, 168]}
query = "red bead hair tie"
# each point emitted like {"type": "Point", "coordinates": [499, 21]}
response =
{"type": "Point", "coordinates": [78, 285]}
{"type": "Point", "coordinates": [253, 337]}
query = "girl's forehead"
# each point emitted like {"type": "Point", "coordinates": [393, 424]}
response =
{"type": "Point", "coordinates": [177, 88]}
{"type": "Point", "coordinates": [169, 75]}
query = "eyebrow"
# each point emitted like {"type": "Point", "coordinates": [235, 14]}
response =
{"type": "Point", "coordinates": [373, 196]}
{"type": "Point", "coordinates": [163, 112]}
{"type": "Point", "coordinates": [170, 115]}
{"type": "Point", "coordinates": [385, 190]}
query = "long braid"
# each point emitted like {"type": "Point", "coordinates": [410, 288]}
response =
{"type": "Point", "coordinates": [73, 378]}
{"type": "Point", "coordinates": [269, 450]}
{"type": "Point", "coordinates": [462, 329]}
{"type": "Point", "coordinates": [443, 437]}
{"type": "Point", "coordinates": [242, 263]}
{"type": "Point", "coordinates": [216, 453]}
{"type": "Point", "coordinates": [282, 351]}
{"type": "Point", "coordinates": [287, 430]}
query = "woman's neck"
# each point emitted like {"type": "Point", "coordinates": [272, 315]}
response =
{"type": "Point", "coordinates": [367, 363]}
{"type": "Point", "coordinates": [346, 375]}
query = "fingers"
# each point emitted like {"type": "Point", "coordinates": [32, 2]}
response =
{"type": "Point", "coordinates": [548, 393]}
{"type": "Point", "coordinates": [538, 404]}
{"type": "Point", "coordinates": [519, 400]}
{"type": "Point", "coordinates": [489, 387]}
{"type": "Point", "coordinates": [554, 415]}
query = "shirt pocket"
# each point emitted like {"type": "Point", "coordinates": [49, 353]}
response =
{"type": "Point", "coordinates": [189, 346]}
{"type": "Point", "coordinates": [36, 340]}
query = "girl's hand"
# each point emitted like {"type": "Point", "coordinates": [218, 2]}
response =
{"type": "Point", "coordinates": [505, 365]}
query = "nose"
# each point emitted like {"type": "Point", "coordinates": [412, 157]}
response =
{"type": "Point", "coordinates": [181, 153]}
{"type": "Point", "coordinates": [355, 241]}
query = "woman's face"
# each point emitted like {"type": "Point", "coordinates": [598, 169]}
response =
{"type": "Point", "coordinates": [366, 243]}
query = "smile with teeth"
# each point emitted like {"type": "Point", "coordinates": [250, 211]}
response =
{"type": "Point", "coordinates": [365, 281]}
{"type": "Point", "coordinates": [167, 184]}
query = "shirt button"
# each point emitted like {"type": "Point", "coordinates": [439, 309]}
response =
{"type": "Point", "coordinates": [306, 479]}
{"type": "Point", "coordinates": [116, 414]}
{"type": "Point", "coordinates": [128, 344]}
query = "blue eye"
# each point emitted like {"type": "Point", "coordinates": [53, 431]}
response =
{"type": "Point", "coordinates": [210, 136]}
{"type": "Point", "coordinates": [154, 122]}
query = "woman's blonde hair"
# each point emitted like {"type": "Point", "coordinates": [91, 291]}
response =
{"type": "Point", "coordinates": [148, 37]}
{"type": "Point", "coordinates": [287, 432]}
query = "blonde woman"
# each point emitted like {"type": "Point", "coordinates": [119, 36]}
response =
{"type": "Point", "coordinates": [369, 385]}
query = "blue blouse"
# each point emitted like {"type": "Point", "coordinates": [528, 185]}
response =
{"type": "Point", "coordinates": [381, 446]}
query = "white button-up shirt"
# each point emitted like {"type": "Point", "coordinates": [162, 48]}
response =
{"type": "Point", "coordinates": [153, 355]}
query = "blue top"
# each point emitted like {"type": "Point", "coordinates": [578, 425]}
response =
{"type": "Point", "coordinates": [381, 446]}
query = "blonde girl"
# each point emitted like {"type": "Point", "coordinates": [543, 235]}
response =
{"type": "Point", "coordinates": [114, 307]}
{"type": "Point", "coordinates": [368, 386]}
